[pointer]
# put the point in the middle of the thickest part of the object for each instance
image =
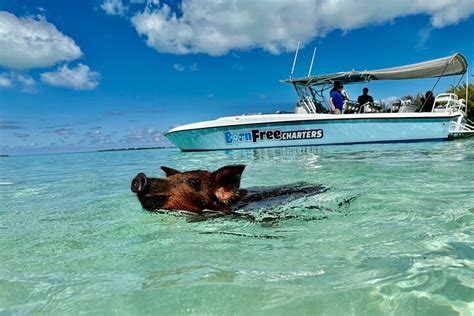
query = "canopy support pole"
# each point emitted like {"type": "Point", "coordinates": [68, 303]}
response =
{"type": "Point", "coordinates": [467, 85]}
{"type": "Point", "coordinates": [460, 79]}
{"type": "Point", "coordinates": [436, 83]}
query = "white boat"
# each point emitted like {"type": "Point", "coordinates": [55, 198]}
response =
{"type": "Point", "coordinates": [311, 124]}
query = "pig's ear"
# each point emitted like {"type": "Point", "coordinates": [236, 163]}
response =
{"type": "Point", "coordinates": [169, 171]}
{"type": "Point", "coordinates": [227, 181]}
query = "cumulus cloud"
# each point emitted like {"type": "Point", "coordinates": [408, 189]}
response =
{"type": "Point", "coordinates": [5, 81]}
{"type": "Point", "coordinates": [142, 136]}
{"type": "Point", "coordinates": [181, 68]}
{"type": "Point", "coordinates": [389, 100]}
{"type": "Point", "coordinates": [78, 78]}
{"type": "Point", "coordinates": [450, 12]}
{"type": "Point", "coordinates": [217, 27]}
{"type": "Point", "coordinates": [193, 67]}
{"type": "Point", "coordinates": [178, 67]}
{"type": "Point", "coordinates": [114, 7]}
{"type": "Point", "coordinates": [96, 136]}
{"type": "Point", "coordinates": [118, 7]}
{"type": "Point", "coordinates": [28, 42]}
{"type": "Point", "coordinates": [26, 82]}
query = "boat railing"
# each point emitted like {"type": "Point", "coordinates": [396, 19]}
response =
{"type": "Point", "coordinates": [460, 129]}
{"type": "Point", "coordinates": [301, 107]}
{"type": "Point", "coordinates": [305, 105]}
{"type": "Point", "coordinates": [449, 102]}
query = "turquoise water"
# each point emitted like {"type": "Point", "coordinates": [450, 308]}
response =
{"type": "Point", "coordinates": [394, 234]}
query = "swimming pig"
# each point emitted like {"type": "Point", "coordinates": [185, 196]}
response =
{"type": "Point", "coordinates": [198, 190]}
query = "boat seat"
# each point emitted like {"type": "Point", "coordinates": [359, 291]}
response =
{"type": "Point", "coordinates": [439, 109]}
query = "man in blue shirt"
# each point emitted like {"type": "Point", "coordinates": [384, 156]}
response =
{"type": "Point", "coordinates": [336, 99]}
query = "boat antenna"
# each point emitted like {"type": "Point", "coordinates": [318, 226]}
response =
{"type": "Point", "coordinates": [294, 61]}
{"type": "Point", "coordinates": [312, 60]}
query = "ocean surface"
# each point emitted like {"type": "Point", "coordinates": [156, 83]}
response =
{"type": "Point", "coordinates": [392, 235]}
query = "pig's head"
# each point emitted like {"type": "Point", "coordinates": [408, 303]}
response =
{"type": "Point", "coordinates": [191, 191]}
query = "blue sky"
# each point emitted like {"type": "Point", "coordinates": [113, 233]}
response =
{"type": "Point", "coordinates": [95, 74]}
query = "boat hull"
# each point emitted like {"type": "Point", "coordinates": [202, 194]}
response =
{"type": "Point", "coordinates": [326, 130]}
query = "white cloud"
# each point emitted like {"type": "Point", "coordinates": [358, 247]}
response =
{"type": "Point", "coordinates": [178, 67]}
{"type": "Point", "coordinates": [181, 68]}
{"type": "Point", "coordinates": [450, 12]}
{"type": "Point", "coordinates": [5, 81]}
{"type": "Point", "coordinates": [26, 82]}
{"type": "Point", "coordinates": [114, 7]}
{"type": "Point", "coordinates": [118, 7]}
{"type": "Point", "coordinates": [27, 42]}
{"type": "Point", "coordinates": [424, 35]}
{"type": "Point", "coordinates": [193, 67]}
{"type": "Point", "coordinates": [142, 136]}
{"type": "Point", "coordinates": [78, 78]}
{"type": "Point", "coordinates": [217, 27]}
{"type": "Point", "coordinates": [389, 100]}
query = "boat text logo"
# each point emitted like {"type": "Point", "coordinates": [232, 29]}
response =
{"type": "Point", "coordinates": [257, 135]}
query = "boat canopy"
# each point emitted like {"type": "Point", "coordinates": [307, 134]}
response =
{"type": "Point", "coordinates": [452, 65]}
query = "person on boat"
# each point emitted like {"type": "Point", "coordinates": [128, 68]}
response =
{"type": "Point", "coordinates": [344, 93]}
{"type": "Point", "coordinates": [346, 96]}
{"type": "Point", "coordinates": [365, 97]}
{"type": "Point", "coordinates": [428, 102]}
{"type": "Point", "coordinates": [336, 98]}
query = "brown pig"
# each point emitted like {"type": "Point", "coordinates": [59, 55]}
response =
{"type": "Point", "coordinates": [200, 190]}
{"type": "Point", "coordinates": [191, 191]}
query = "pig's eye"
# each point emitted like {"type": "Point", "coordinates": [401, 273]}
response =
{"type": "Point", "coordinates": [195, 184]}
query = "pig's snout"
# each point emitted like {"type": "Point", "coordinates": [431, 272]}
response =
{"type": "Point", "coordinates": [139, 183]}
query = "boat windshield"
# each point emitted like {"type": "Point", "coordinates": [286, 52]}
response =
{"type": "Point", "coordinates": [309, 100]}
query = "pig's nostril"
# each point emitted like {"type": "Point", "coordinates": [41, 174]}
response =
{"type": "Point", "coordinates": [139, 183]}
{"type": "Point", "coordinates": [136, 186]}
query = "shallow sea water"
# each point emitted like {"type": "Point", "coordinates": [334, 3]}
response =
{"type": "Point", "coordinates": [393, 235]}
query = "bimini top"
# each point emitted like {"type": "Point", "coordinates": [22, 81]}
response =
{"type": "Point", "coordinates": [447, 66]}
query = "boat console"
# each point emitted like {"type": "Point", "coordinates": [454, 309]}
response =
{"type": "Point", "coordinates": [352, 107]}
{"type": "Point", "coordinates": [402, 106]}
